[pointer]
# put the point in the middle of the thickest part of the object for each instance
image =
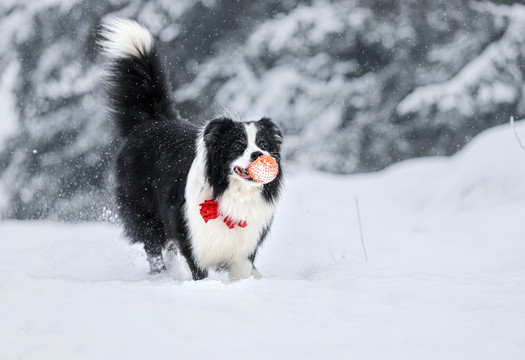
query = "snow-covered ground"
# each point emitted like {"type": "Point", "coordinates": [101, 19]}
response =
{"type": "Point", "coordinates": [445, 277]}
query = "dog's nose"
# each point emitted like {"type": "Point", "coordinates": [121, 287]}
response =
{"type": "Point", "coordinates": [256, 154]}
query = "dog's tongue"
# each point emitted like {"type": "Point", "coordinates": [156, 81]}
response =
{"type": "Point", "coordinates": [264, 169]}
{"type": "Point", "coordinates": [242, 173]}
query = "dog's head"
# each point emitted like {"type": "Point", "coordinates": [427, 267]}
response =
{"type": "Point", "coordinates": [230, 147]}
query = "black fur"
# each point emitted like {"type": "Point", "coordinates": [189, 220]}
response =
{"type": "Point", "coordinates": [271, 135]}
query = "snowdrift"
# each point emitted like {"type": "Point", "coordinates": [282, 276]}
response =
{"type": "Point", "coordinates": [445, 276]}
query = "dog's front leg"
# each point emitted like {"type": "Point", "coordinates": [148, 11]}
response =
{"type": "Point", "coordinates": [243, 269]}
{"type": "Point", "coordinates": [255, 273]}
{"type": "Point", "coordinates": [196, 272]}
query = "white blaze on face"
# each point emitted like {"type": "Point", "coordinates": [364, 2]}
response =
{"type": "Point", "coordinates": [246, 158]}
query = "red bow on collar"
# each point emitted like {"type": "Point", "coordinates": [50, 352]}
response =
{"type": "Point", "coordinates": [210, 211]}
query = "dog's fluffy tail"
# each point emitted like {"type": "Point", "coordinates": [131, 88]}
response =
{"type": "Point", "coordinates": [136, 80]}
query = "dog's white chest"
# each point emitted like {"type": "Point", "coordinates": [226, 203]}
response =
{"type": "Point", "coordinates": [214, 243]}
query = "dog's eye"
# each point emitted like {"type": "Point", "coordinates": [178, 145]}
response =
{"type": "Point", "coordinates": [238, 146]}
{"type": "Point", "coordinates": [263, 145]}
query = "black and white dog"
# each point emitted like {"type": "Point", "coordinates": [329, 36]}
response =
{"type": "Point", "coordinates": [169, 171]}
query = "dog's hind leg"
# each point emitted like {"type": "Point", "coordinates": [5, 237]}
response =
{"type": "Point", "coordinates": [156, 262]}
{"type": "Point", "coordinates": [154, 239]}
{"type": "Point", "coordinates": [149, 231]}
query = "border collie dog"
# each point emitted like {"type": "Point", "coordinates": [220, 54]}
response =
{"type": "Point", "coordinates": [168, 169]}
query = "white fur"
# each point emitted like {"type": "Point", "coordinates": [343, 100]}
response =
{"type": "Point", "coordinates": [246, 158]}
{"type": "Point", "coordinates": [125, 38]}
{"type": "Point", "coordinates": [213, 243]}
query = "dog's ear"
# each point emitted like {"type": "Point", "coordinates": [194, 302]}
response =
{"type": "Point", "coordinates": [216, 171]}
{"type": "Point", "coordinates": [269, 125]}
{"type": "Point", "coordinates": [215, 127]}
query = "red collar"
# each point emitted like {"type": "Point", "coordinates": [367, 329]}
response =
{"type": "Point", "coordinates": [210, 211]}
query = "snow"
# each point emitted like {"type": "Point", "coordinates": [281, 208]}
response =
{"type": "Point", "coordinates": [445, 277]}
{"type": "Point", "coordinates": [314, 22]}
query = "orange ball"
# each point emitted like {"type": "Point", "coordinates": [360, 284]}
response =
{"type": "Point", "coordinates": [264, 169]}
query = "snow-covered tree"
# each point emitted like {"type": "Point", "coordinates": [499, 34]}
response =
{"type": "Point", "coordinates": [356, 85]}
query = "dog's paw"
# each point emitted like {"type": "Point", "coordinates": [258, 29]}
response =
{"type": "Point", "coordinates": [156, 271]}
{"type": "Point", "coordinates": [256, 274]}
{"type": "Point", "coordinates": [156, 265]}
{"type": "Point", "coordinates": [243, 270]}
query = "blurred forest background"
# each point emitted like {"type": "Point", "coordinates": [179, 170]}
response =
{"type": "Point", "coordinates": [356, 85]}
